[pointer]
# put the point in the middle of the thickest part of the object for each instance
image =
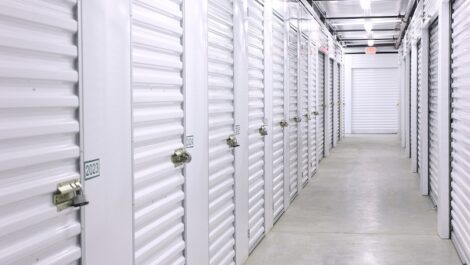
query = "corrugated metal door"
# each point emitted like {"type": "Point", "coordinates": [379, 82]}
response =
{"type": "Point", "coordinates": [419, 107]}
{"type": "Point", "coordinates": [39, 131]}
{"type": "Point", "coordinates": [303, 142]}
{"type": "Point", "coordinates": [433, 114]}
{"type": "Point", "coordinates": [256, 124]}
{"type": "Point", "coordinates": [157, 88]}
{"type": "Point", "coordinates": [321, 106]}
{"type": "Point", "coordinates": [374, 107]}
{"type": "Point", "coordinates": [279, 112]}
{"type": "Point", "coordinates": [460, 130]}
{"type": "Point", "coordinates": [337, 102]}
{"type": "Point", "coordinates": [312, 100]}
{"type": "Point", "coordinates": [221, 127]}
{"type": "Point", "coordinates": [293, 110]}
{"type": "Point", "coordinates": [331, 104]}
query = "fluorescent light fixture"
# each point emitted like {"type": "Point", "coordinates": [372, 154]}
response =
{"type": "Point", "coordinates": [361, 22]}
{"type": "Point", "coordinates": [370, 43]}
{"type": "Point", "coordinates": [365, 4]}
{"type": "Point", "coordinates": [368, 26]}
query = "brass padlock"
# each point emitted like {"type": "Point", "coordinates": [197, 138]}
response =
{"type": "Point", "coordinates": [315, 113]}
{"type": "Point", "coordinates": [232, 141]}
{"type": "Point", "coordinates": [297, 119]}
{"type": "Point", "coordinates": [284, 123]}
{"type": "Point", "coordinates": [68, 194]}
{"type": "Point", "coordinates": [180, 157]}
{"type": "Point", "coordinates": [263, 131]}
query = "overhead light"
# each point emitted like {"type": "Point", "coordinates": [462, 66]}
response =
{"type": "Point", "coordinates": [368, 26]}
{"type": "Point", "coordinates": [365, 4]}
{"type": "Point", "coordinates": [370, 43]}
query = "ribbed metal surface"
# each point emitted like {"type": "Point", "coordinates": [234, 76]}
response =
{"type": "Point", "coordinates": [337, 106]}
{"type": "Point", "coordinates": [419, 104]}
{"type": "Point", "coordinates": [293, 110]}
{"type": "Point", "coordinates": [374, 106]}
{"type": "Point", "coordinates": [460, 129]}
{"type": "Point", "coordinates": [331, 104]}
{"type": "Point", "coordinates": [221, 126]}
{"type": "Point", "coordinates": [256, 121]}
{"type": "Point", "coordinates": [303, 142]}
{"type": "Point", "coordinates": [278, 115]}
{"type": "Point", "coordinates": [312, 100]}
{"type": "Point", "coordinates": [343, 103]}
{"type": "Point", "coordinates": [321, 106]}
{"type": "Point", "coordinates": [433, 113]}
{"type": "Point", "coordinates": [39, 131]}
{"type": "Point", "coordinates": [158, 130]}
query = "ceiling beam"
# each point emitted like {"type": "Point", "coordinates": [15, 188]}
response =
{"type": "Point", "coordinates": [363, 30]}
{"type": "Point", "coordinates": [365, 17]}
{"type": "Point", "coordinates": [365, 45]}
{"type": "Point", "coordinates": [378, 39]}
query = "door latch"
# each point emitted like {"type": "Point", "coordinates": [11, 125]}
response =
{"type": "Point", "coordinates": [180, 157]}
{"type": "Point", "coordinates": [263, 131]}
{"type": "Point", "coordinates": [284, 123]}
{"type": "Point", "coordinates": [307, 116]}
{"type": "Point", "coordinates": [297, 119]}
{"type": "Point", "coordinates": [68, 194]}
{"type": "Point", "coordinates": [232, 141]}
{"type": "Point", "coordinates": [315, 113]}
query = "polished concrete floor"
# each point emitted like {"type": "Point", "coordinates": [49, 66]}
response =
{"type": "Point", "coordinates": [363, 207]}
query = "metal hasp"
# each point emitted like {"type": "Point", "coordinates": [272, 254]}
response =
{"type": "Point", "coordinates": [284, 123]}
{"type": "Point", "coordinates": [180, 157]}
{"type": "Point", "coordinates": [69, 193]}
{"type": "Point", "coordinates": [263, 131]}
{"type": "Point", "coordinates": [297, 119]}
{"type": "Point", "coordinates": [315, 113]}
{"type": "Point", "coordinates": [232, 141]}
{"type": "Point", "coordinates": [308, 117]}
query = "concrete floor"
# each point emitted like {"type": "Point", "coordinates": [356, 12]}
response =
{"type": "Point", "coordinates": [362, 207]}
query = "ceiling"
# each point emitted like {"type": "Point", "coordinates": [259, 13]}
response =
{"type": "Point", "coordinates": [346, 20]}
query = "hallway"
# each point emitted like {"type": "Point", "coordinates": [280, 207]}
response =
{"type": "Point", "coordinates": [366, 211]}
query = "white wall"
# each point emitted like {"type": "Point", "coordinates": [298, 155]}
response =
{"type": "Point", "coordinates": [354, 61]}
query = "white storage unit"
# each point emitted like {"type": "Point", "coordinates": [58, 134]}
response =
{"type": "Point", "coordinates": [433, 140]}
{"type": "Point", "coordinates": [460, 130]}
{"type": "Point", "coordinates": [279, 115]}
{"type": "Point", "coordinates": [374, 108]}
{"type": "Point", "coordinates": [321, 106]}
{"type": "Point", "coordinates": [293, 111]}
{"type": "Point", "coordinates": [331, 103]}
{"type": "Point", "coordinates": [221, 131]}
{"type": "Point", "coordinates": [39, 131]}
{"type": "Point", "coordinates": [256, 127]}
{"type": "Point", "coordinates": [305, 116]}
{"type": "Point", "coordinates": [157, 89]}
{"type": "Point", "coordinates": [337, 103]}
{"type": "Point", "coordinates": [343, 103]}
{"type": "Point", "coordinates": [419, 105]}
{"type": "Point", "coordinates": [313, 108]}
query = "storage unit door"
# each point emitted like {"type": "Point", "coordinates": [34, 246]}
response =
{"type": "Point", "coordinates": [433, 113]}
{"type": "Point", "coordinates": [279, 112]}
{"type": "Point", "coordinates": [419, 107]}
{"type": "Point", "coordinates": [221, 127]}
{"type": "Point", "coordinates": [460, 130]}
{"type": "Point", "coordinates": [303, 142]}
{"type": "Point", "coordinates": [312, 106]}
{"type": "Point", "coordinates": [338, 103]}
{"type": "Point", "coordinates": [375, 95]}
{"type": "Point", "coordinates": [39, 131]}
{"type": "Point", "coordinates": [343, 103]}
{"type": "Point", "coordinates": [256, 124]}
{"type": "Point", "coordinates": [293, 111]}
{"type": "Point", "coordinates": [331, 104]}
{"type": "Point", "coordinates": [321, 106]}
{"type": "Point", "coordinates": [157, 92]}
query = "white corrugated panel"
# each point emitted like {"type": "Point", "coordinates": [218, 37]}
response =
{"type": "Point", "coordinates": [255, 121]}
{"type": "Point", "coordinates": [39, 131]}
{"type": "Point", "coordinates": [419, 105]}
{"type": "Point", "coordinates": [331, 104]}
{"type": "Point", "coordinates": [293, 110]}
{"type": "Point", "coordinates": [337, 104]}
{"type": "Point", "coordinates": [433, 113]}
{"type": "Point", "coordinates": [460, 129]}
{"type": "Point", "coordinates": [221, 127]}
{"type": "Point", "coordinates": [375, 95]}
{"type": "Point", "coordinates": [343, 103]}
{"type": "Point", "coordinates": [312, 100]}
{"type": "Point", "coordinates": [278, 116]}
{"type": "Point", "coordinates": [303, 141]}
{"type": "Point", "coordinates": [157, 88]}
{"type": "Point", "coordinates": [321, 106]}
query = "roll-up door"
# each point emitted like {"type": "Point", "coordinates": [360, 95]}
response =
{"type": "Point", "coordinates": [39, 131]}
{"type": "Point", "coordinates": [312, 105]}
{"type": "Point", "coordinates": [293, 111]}
{"type": "Point", "coordinates": [375, 95]}
{"type": "Point", "coordinates": [279, 115]}
{"type": "Point", "coordinates": [221, 133]}
{"type": "Point", "coordinates": [419, 107]}
{"type": "Point", "coordinates": [433, 114]}
{"type": "Point", "coordinates": [157, 88]}
{"type": "Point", "coordinates": [331, 104]}
{"type": "Point", "coordinates": [303, 142]}
{"type": "Point", "coordinates": [460, 130]}
{"type": "Point", "coordinates": [256, 127]}
{"type": "Point", "coordinates": [337, 102]}
{"type": "Point", "coordinates": [321, 106]}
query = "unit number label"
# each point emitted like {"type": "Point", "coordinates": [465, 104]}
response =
{"type": "Point", "coordinates": [92, 169]}
{"type": "Point", "coordinates": [189, 141]}
{"type": "Point", "coordinates": [236, 129]}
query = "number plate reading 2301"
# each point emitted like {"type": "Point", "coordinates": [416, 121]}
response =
{"type": "Point", "coordinates": [92, 169]}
